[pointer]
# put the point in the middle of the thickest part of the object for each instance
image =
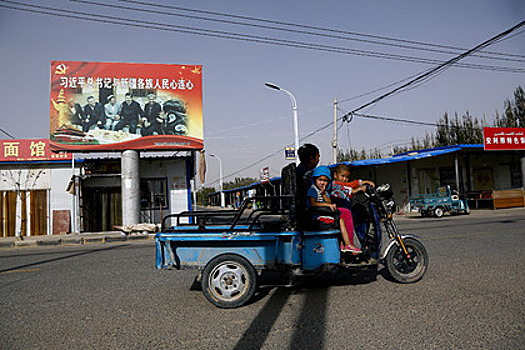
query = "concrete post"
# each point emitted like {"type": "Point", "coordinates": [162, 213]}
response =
{"type": "Point", "coordinates": [130, 184]}
{"type": "Point", "coordinates": [456, 166]}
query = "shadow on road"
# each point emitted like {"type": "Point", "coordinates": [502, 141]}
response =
{"type": "Point", "coordinates": [256, 334]}
{"type": "Point", "coordinates": [61, 258]}
{"type": "Point", "coordinates": [309, 328]}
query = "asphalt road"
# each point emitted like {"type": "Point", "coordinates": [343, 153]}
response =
{"type": "Point", "coordinates": [111, 297]}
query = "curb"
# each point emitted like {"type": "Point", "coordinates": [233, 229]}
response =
{"type": "Point", "coordinates": [89, 239]}
{"type": "Point", "coordinates": [7, 244]}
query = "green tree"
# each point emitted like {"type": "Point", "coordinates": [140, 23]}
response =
{"type": "Point", "coordinates": [466, 129]}
{"type": "Point", "coordinates": [203, 195]}
{"type": "Point", "coordinates": [514, 111]}
{"type": "Point", "coordinates": [455, 131]}
{"type": "Point", "coordinates": [239, 182]}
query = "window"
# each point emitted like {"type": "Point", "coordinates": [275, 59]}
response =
{"type": "Point", "coordinates": [153, 194]}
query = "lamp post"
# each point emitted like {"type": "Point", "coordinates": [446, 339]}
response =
{"type": "Point", "coordinates": [223, 202]}
{"type": "Point", "coordinates": [295, 122]}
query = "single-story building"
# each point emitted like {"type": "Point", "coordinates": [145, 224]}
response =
{"type": "Point", "coordinates": [45, 193]}
{"type": "Point", "coordinates": [468, 169]}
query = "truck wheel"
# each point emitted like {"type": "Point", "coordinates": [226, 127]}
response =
{"type": "Point", "coordinates": [409, 269]}
{"type": "Point", "coordinates": [439, 212]}
{"type": "Point", "coordinates": [229, 281]}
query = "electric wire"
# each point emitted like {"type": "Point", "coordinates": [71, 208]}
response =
{"type": "Point", "coordinates": [7, 134]}
{"type": "Point", "coordinates": [242, 37]}
{"type": "Point", "coordinates": [310, 27]}
{"type": "Point", "coordinates": [265, 26]}
{"type": "Point", "coordinates": [439, 69]}
{"type": "Point", "coordinates": [153, 25]}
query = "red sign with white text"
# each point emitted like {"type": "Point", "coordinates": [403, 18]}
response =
{"type": "Point", "coordinates": [498, 139]}
{"type": "Point", "coordinates": [29, 150]}
{"type": "Point", "coordinates": [104, 106]}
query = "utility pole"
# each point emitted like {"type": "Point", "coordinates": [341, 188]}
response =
{"type": "Point", "coordinates": [334, 141]}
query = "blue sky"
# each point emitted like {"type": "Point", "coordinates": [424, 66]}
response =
{"type": "Point", "coordinates": [245, 121]}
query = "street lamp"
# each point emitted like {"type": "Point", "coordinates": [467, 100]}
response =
{"type": "Point", "coordinates": [223, 202]}
{"type": "Point", "coordinates": [295, 123]}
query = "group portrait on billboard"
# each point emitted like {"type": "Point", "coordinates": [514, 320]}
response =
{"type": "Point", "coordinates": [117, 106]}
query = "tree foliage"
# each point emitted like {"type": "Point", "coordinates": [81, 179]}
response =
{"type": "Point", "coordinates": [239, 182]}
{"type": "Point", "coordinates": [203, 195]}
{"type": "Point", "coordinates": [456, 130]}
{"type": "Point", "coordinates": [514, 113]}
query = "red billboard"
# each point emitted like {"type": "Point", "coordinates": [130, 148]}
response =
{"type": "Point", "coordinates": [497, 139]}
{"type": "Point", "coordinates": [29, 150]}
{"type": "Point", "coordinates": [103, 106]}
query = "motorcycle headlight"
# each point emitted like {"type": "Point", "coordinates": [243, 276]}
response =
{"type": "Point", "coordinates": [385, 192]}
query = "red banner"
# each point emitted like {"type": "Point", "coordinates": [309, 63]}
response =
{"type": "Point", "coordinates": [504, 139]}
{"type": "Point", "coordinates": [29, 150]}
{"type": "Point", "coordinates": [101, 106]}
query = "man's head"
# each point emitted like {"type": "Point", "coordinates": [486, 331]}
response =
{"type": "Point", "coordinates": [91, 101]}
{"type": "Point", "coordinates": [151, 98]}
{"type": "Point", "coordinates": [128, 97]}
{"type": "Point", "coordinates": [309, 155]}
{"type": "Point", "coordinates": [111, 99]}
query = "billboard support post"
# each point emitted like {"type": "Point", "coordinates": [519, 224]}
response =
{"type": "Point", "coordinates": [130, 187]}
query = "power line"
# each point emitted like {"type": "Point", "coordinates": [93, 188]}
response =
{"type": "Point", "coordinates": [236, 36]}
{"type": "Point", "coordinates": [7, 134]}
{"type": "Point", "coordinates": [437, 70]}
{"type": "Point", "coordinates": [310, 27]}
{"type": "Point", "coordinates": [289, 43]}
{"type": "Point", "coordinates": [266, 26]}
{"type": "Point", "coordinates": [419, 79]}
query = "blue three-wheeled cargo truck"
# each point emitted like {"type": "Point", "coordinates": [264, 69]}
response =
{"type": "Point", "coordinates": [230, 248]}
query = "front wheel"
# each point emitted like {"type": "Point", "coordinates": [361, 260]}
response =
{"type": "Point", "coordinates": [409, 268]}
{"type": "Point", "coordinates": [229, 281]}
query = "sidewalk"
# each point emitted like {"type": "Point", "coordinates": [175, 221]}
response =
{"type": "Point", "coordinates": [118, 237]}
{"type": "Point", "coordinates": [73, 239]}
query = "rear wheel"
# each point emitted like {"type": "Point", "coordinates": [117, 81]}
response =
{"type": "Point", "coordinates": [439, 212]}
{"type": "Point", "coordinates": [229, 281]}
{"type": "Point", "coordinates": [408, 268]}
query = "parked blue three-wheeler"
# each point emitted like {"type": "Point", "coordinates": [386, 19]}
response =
{"type": "Point", "coordinates": [440, 202]}
{"type": "Point", "coordinates": [231, 248]}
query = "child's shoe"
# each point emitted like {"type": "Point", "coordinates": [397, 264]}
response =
{"type": "Point", "coordinates": [350, 249]}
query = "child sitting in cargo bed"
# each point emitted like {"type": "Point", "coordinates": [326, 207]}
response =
{"type": "Point", "coordinates": [317, 199]}
{"type": "Point", "coordinates": [343, 190]}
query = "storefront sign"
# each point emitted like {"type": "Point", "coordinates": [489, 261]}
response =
{"type": "Point", "coordinates": [101, 106]}
{"type": "Point", "coordinates": [29, 150]}
{"type": "Point", "coordinates": [504, 139]}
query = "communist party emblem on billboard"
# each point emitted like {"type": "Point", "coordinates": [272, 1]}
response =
{"type": "Point", "coordinates": [100, 106]}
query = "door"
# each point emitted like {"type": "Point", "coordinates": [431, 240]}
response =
{"type": "Point", "coordinates": [8, 214]}
{"type": "Point", "coordinates": [101, 209]}
{"type": "Point", "coordinates": [38, 204]}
